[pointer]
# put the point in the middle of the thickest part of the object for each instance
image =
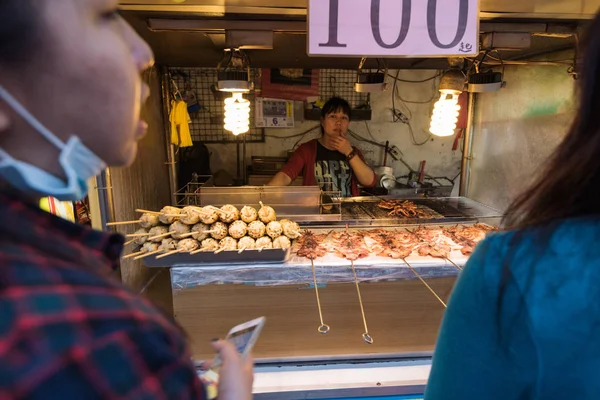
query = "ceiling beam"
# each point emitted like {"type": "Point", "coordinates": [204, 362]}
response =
{"type": "Point", "coordinates": [223, 10]}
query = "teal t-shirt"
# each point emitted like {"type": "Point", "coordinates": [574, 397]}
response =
{"type": "Point", "coordinates": [523, 321]}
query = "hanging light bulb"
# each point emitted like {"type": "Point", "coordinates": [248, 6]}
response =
{"type": "Point", "coordinates": [446, 110]}
{"type": "Point", "coordinates": [237, 114]}
{"type": "Point", "coordinates": [445, 115]}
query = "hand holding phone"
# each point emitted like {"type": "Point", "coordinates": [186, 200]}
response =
{"type": "Point", "coordinates": [236, 375]}
{"type": "Point", "coordinates": [232, 368]}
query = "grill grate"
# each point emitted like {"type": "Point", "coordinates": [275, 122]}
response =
{"type": "Point", "coordinates": [340, 82]}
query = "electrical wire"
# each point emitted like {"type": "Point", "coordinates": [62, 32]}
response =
{"type": "Point", "coordinates": [363, 139]}
{"type": "Point", "coordinates": [295, 135]}
{"type": "Point", "coordinates": [414, 139]}
{"type": "Point", "coordinates": [398, 116]}
{"type": "Point", "coordinates": [433, 96]}
{"type": "Point", "coordinates": [439, 73]}
{"type": "Point", "coordinates": [369, 131]}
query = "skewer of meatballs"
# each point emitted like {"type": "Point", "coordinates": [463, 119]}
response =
{"type": "Point", "coordinates": [194, 229]}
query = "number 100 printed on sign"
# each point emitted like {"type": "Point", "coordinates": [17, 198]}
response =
{"type": "Point", "coordinates": [393, 28]}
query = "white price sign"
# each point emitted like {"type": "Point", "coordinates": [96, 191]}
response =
{"type": "Point", "coordinates": [393, 28]}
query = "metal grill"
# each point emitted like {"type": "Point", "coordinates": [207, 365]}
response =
{"type": "Point", "coordinates": [340, 82]}
{"type": "Point", "coordinates": [207, 124]}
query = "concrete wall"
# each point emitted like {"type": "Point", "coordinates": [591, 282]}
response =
{"type": "Point", "coordinates": [441, 160]}
{"type": "Point", "coordinates": [516, 129]}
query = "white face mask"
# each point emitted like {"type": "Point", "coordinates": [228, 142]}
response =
{"type": "Point", "coordinates": [77, 161]}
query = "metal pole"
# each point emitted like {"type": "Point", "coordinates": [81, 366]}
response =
{"type": "Point", "coordinates": [166, 93]}
{"type": "Point", "coordinates": [238, 157]}
{"type": "Point", "coordinates": [245, 181]}
{"type": "Point", "coordinates": [468, 148]}
{"type": "Point", "coordinates": [105, 198]}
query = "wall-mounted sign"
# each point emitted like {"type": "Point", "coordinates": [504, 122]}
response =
{"type": "Point", "coordinates": [274, 113]}
{"type": "Point", "coordinates": [393, 28]}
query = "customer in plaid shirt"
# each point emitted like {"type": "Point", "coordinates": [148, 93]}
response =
{"type": "Point", "coordinates": [70, 95]}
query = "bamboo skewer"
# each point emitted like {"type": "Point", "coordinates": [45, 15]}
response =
{"type": "Point", "coordinates": [323, 328]}
{"type": "Point", "coordinates": [197, 251]}
{"type": "Point", "coordinates": [134, 254]}
{"type": "Point", "coordinates": [170, 253]}
{"type": "Point", "coordinates": [217, 210]}
{"type": "Point", "coordinates": [220, 250]}
{"type": "Point", "coordinates": [151, 253]}
{"type": "Point", "coordinates": [187, 235]}
{"type": "Point", "coordinates": [135, 235]}
{"type": "Point", "coordinates": [453, 263]}
{"type": "Point", "coordinates": [129, 242]}
{"type": "Point", "coordinates": [241, 250]}
{"type": "Point", "coordinates": [162, 235]}
{"type": "Point", "coordinates": [137, 221]}
{"type": "Point", "coordinates": [425, 283]}
{"type": "Point", "coordinates": [366, 337]}
{"type": "Point", "coordinates": [148, 212]}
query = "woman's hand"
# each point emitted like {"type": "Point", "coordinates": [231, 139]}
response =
{"type": "Point", "coordinates": [236, 375]}
{"type": "Point", "coordinates": [341, 144]}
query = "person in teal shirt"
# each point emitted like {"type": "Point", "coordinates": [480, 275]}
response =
{"type": "Point", "coordinates": [523, 321]}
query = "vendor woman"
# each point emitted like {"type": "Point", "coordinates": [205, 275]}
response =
{"type": "Point", "coordinates": [330, 162]}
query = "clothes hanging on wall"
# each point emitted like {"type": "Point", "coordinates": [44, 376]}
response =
{"type": "Point", "coordinates": [180, 120]}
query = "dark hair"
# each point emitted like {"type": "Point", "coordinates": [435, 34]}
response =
{"type": "Point", "coordinates": [19, 30]}
{"type": "Point", "coordinates": [336, 104]}
{"type": "Point", "coordinates": [333, 105]}
{"type": "Point", "coordinates": [568, 185]}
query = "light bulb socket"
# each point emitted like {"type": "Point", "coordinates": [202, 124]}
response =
{"type": "Point", "coordinates": [453, 82]}
{"type": "Point", "coordinates": [369, 82]}
{"type": "Point", "coordinates": [234, 81]}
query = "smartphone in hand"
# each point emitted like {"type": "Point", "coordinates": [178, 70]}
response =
{"type": "Point", "coordinates": [243, 337]}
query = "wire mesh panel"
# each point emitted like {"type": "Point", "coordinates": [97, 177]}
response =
{"type": "Point", "coordinates": [207, 121]}
{"type": "Point", "coordinates": [340, 82]}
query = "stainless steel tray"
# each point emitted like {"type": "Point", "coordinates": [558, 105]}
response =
{"type": "Point", "coordinates": [247, 257]}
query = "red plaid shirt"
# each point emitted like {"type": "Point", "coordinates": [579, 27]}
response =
{"type": "Point", "coordinates": [68, 329]}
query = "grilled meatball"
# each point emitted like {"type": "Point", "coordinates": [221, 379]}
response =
{"type": "Point", "coordinates": [187, 245]}
{"type": "Point", "coordinates": [264, 242]}
{"type": "Point", "coordinates": [210, 244]}
{"type": "Point", "coordinates": [190, 215]}
{"type": "Point", "coordinates": [282, 242]}
{"type": "Point", "coordinates": [246, 243]}
{"type": "Point", "coordinates": [228, 243]}
{"type": "Point", "coordinates": [238, 229]}
{"type": "Point", "coordinates": [248, 214]}
{"type": "Point", "coordinates": [256, 229]}
{"type": "Point", "coordinates": [168, 244]}
{"type": "Point", "coordinates": [274, 229]}
{"type": "Point", "coordinates": [267, 214]}
{"type": "Point", "coordinates": [230, 213]}
{"type": "Point", "coordinates": [208, 215]}
{"type": "Point", "coordinates": [290, 228]}
{"type": "Point", "coordinates": [141, 239]}
{"type": "Point", "coordinates": [149, 220]}
{"type": "Point", "coordinates": [168, 213]}
{"type": "Point", "coordinates": [219, 230]}
{"type": "Point", "coordinates": [179, 228]}
{"type": "Point", "coordinates": [199, 230]}
{"type": "Point", "coordinates": [157, 231]}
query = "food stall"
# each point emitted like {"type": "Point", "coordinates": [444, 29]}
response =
{"type": "Point", "coordinates": [360, 280]}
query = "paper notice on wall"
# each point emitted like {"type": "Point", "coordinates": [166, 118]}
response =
{"type": "Point", "coordinates": [274, 113]}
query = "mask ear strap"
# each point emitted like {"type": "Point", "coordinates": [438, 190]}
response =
{"type": "Point", "coordinates": [31, 120]}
